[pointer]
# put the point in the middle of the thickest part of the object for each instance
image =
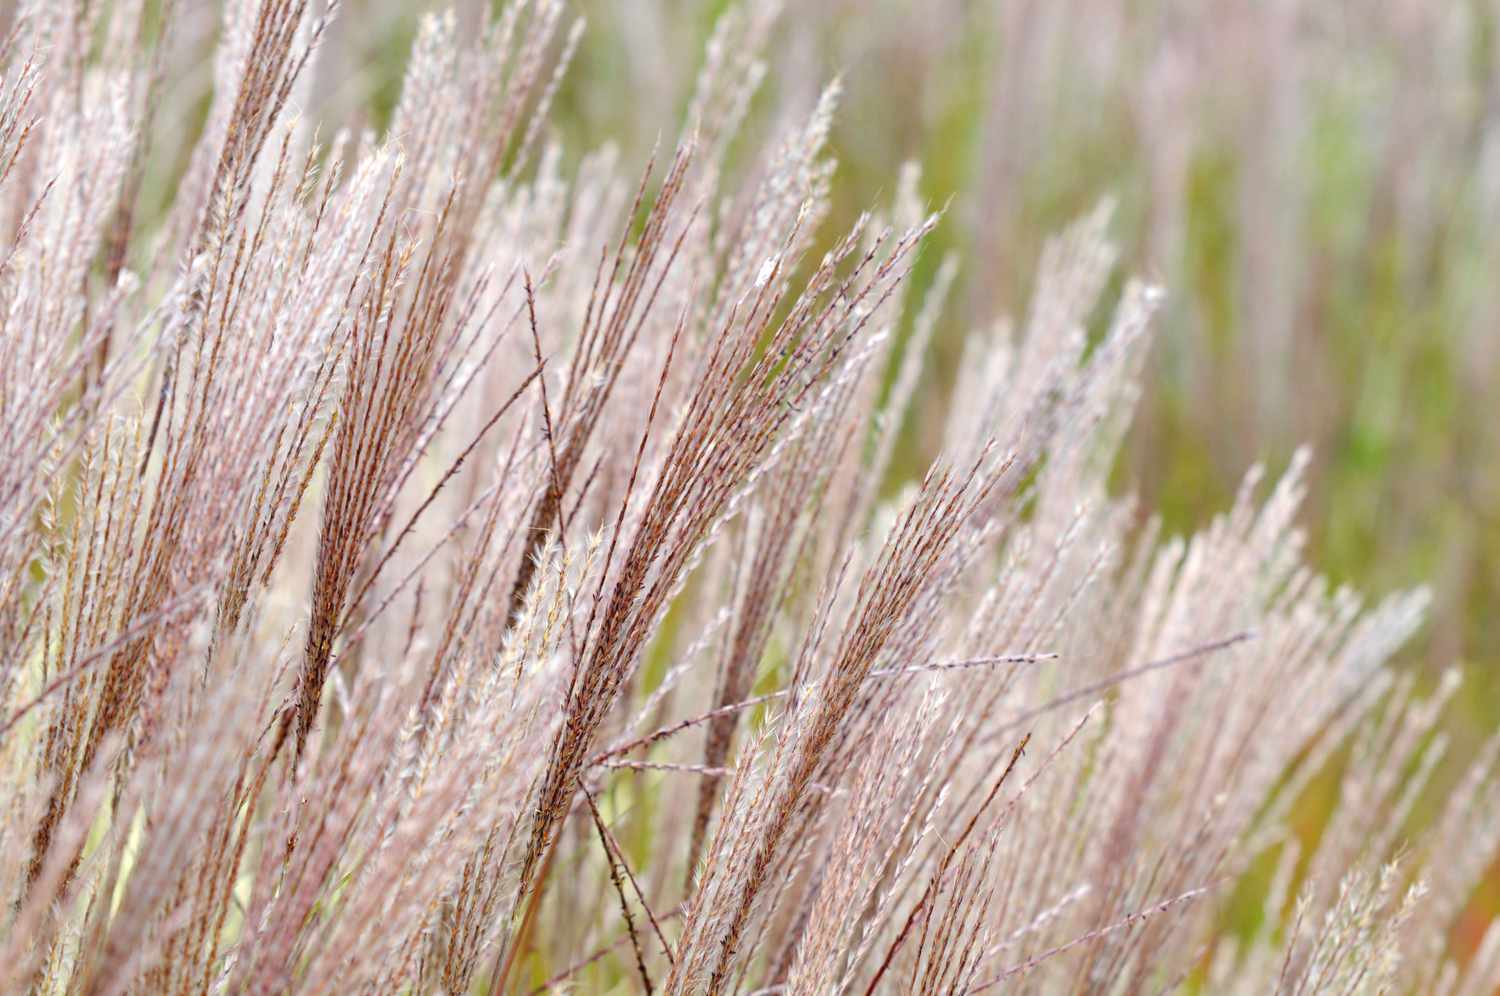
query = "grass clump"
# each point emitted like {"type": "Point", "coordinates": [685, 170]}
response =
{"type": "Point", "coordinates": [429, 567]}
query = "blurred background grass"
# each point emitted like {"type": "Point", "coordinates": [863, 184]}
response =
{"type": "Point", "coordinates": [1315, 183]}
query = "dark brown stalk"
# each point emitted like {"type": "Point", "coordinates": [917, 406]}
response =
{"type": "Point", "coordinates": [614, 877]}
